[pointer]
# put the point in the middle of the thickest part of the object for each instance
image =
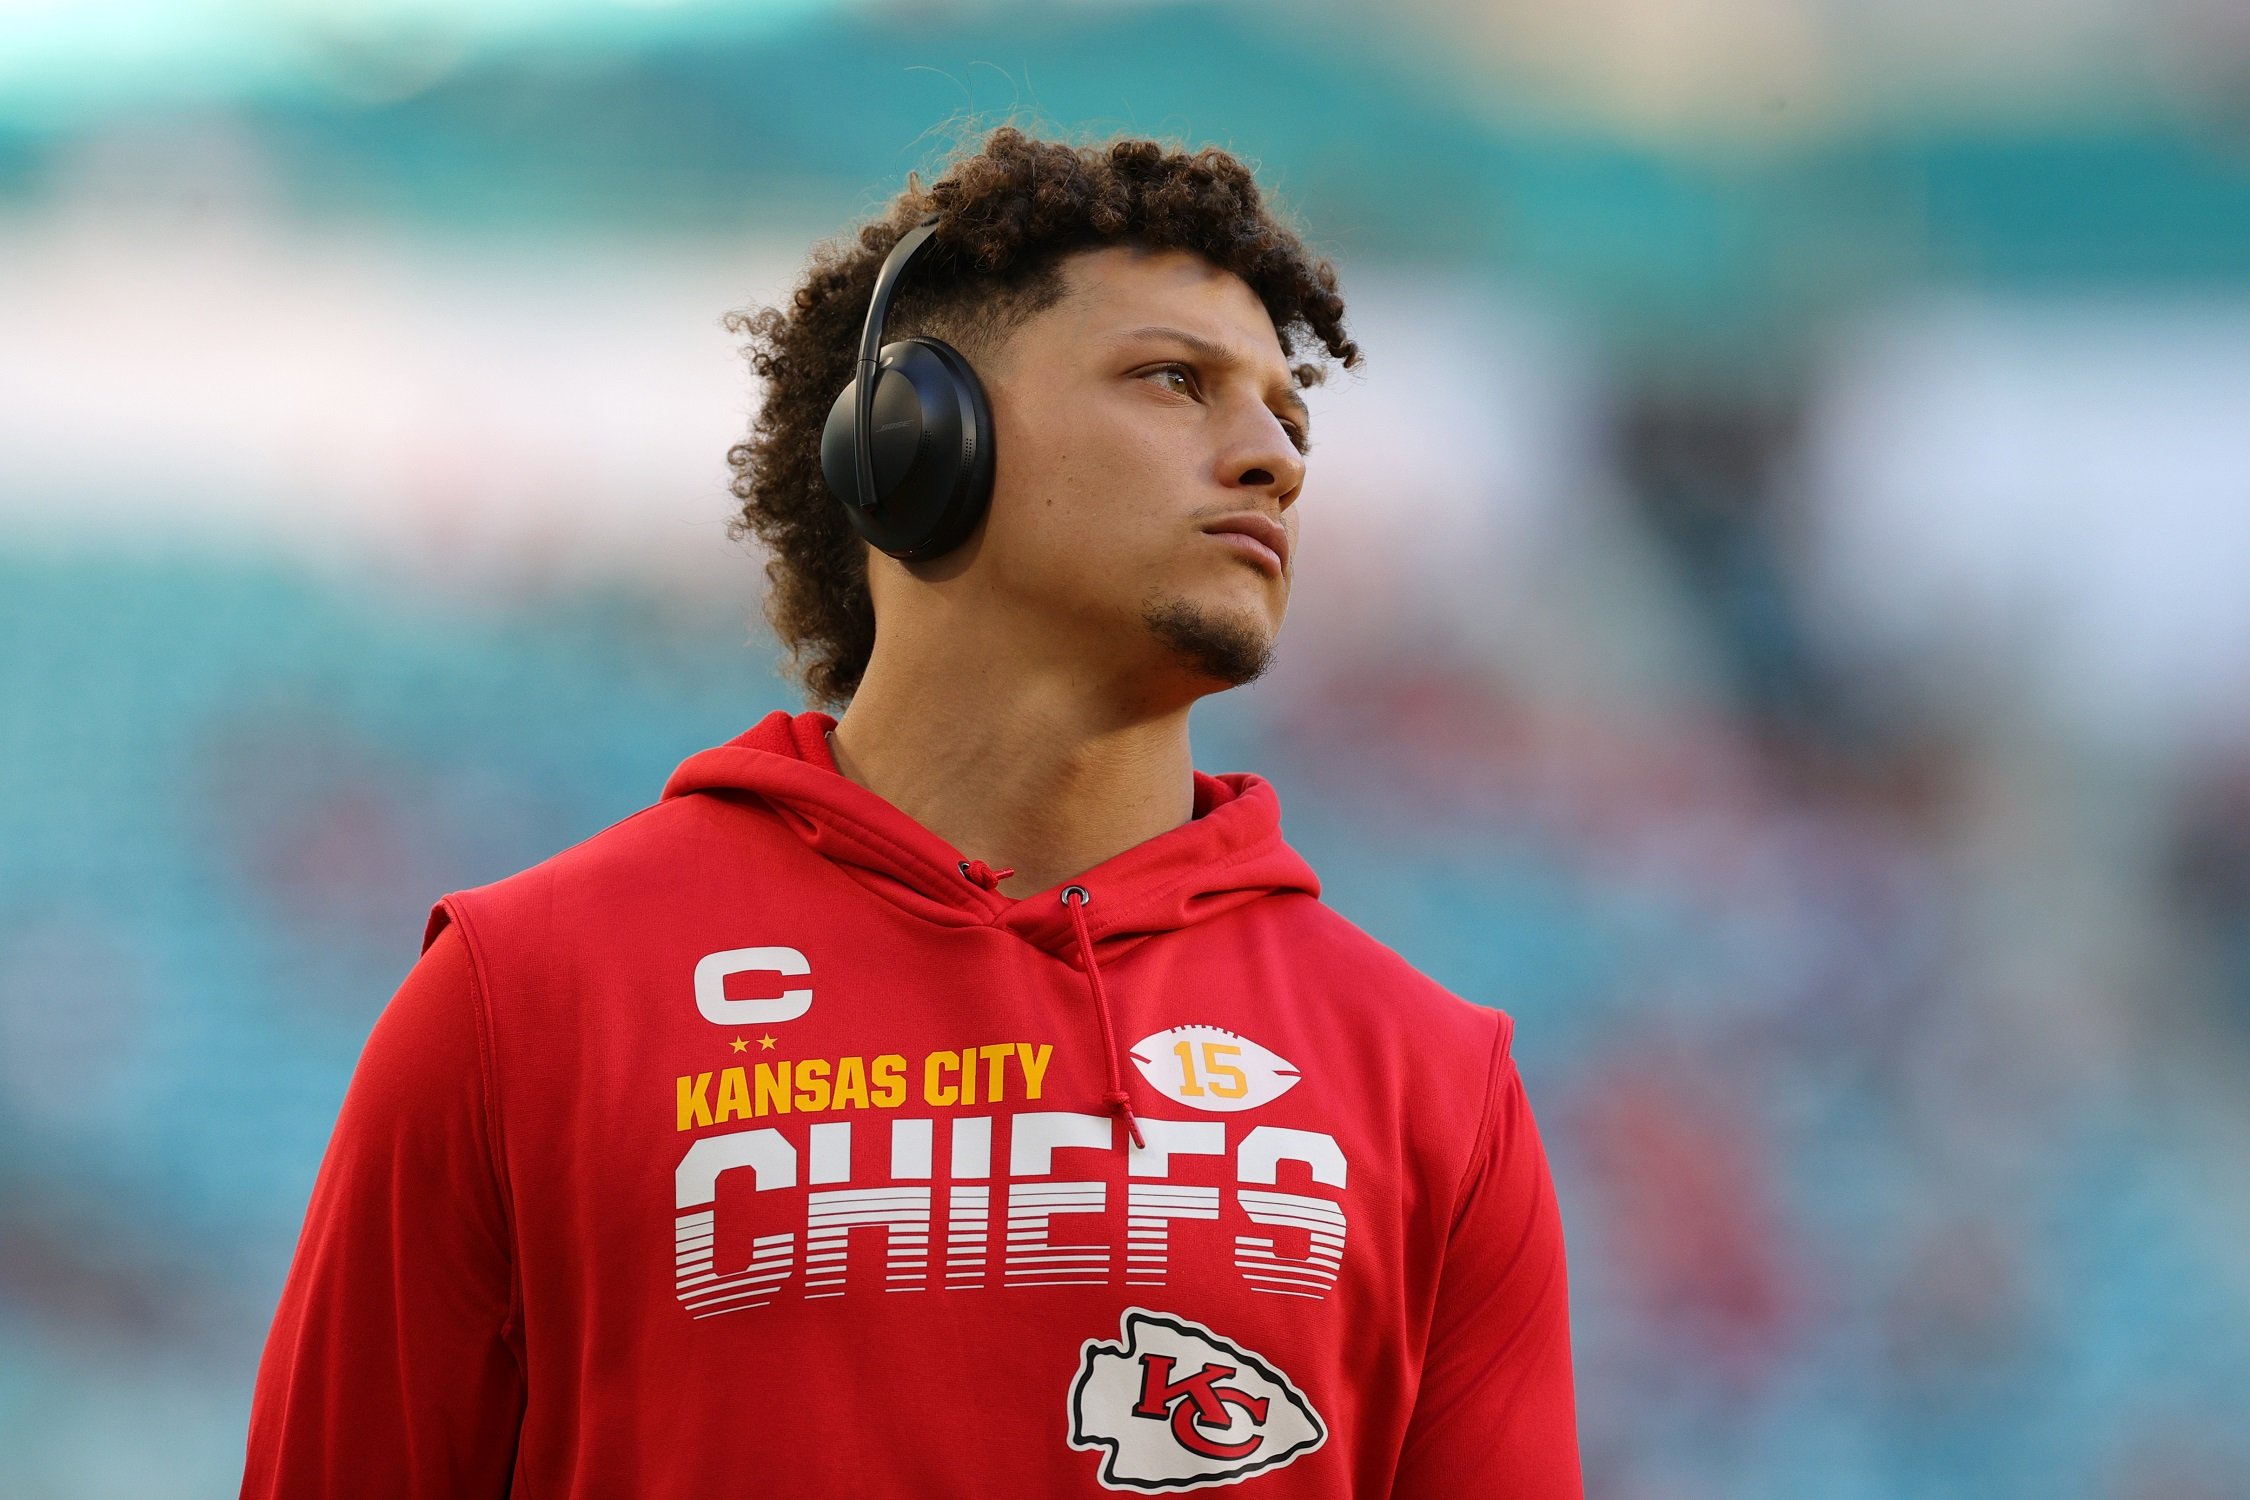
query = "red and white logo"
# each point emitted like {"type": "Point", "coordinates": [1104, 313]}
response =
{"type": "Point", "coordinates": [1177, 1407]}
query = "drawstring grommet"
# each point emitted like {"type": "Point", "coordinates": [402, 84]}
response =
{"type": "Point", "coordinates": [1120, 1103]}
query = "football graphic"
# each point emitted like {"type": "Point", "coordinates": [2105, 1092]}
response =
{"type": "Point", "coordinates": [1211, 1068]}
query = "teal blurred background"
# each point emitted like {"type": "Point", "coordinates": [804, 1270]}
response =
{"type": "Point", "coordinates": [1774, 615]}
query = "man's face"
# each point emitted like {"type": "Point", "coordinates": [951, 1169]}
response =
{"type": "Point", "coordinates": [1148, 406]}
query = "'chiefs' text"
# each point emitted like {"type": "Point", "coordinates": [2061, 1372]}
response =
{"type": "Point", "coordinates": [977, 1202]}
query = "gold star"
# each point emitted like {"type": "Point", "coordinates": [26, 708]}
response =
{"type": "Point", "coordinates": [765, 1044]}
{"type": "Point", "coordinates": [740, 1045]}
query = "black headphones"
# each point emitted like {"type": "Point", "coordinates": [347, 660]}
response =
{"type": "Point", "coordinates": [908, 445]}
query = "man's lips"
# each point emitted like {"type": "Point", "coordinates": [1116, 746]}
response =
{"type": "Point", "coordinates": [1271, 537]}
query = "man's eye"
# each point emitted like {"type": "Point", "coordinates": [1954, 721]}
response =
{"type": "Point", "coordinates": [1187, 381]}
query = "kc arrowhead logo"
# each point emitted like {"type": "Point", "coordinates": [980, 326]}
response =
{"type": "Point", "coordinates": [1178, 1407]}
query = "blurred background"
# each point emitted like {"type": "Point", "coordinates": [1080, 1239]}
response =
{"type": "Point", "coordinates": [1774, 615]}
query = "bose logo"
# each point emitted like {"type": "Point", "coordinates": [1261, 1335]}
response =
{"type": "Point", "coordinates": [713, 970]}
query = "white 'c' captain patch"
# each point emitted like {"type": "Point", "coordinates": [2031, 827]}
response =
{"type": "Point", "coordinates": [1211, 1068]}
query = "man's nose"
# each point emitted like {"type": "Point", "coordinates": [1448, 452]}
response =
{"type": "Point", "coordinates": [1265, 460]}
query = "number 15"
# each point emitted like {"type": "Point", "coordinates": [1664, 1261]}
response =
{"type": "Point", "coordinates": [1226, 1080]}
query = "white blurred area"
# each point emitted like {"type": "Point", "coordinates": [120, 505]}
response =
{"type": "Point", "coordinates": [189, 372]}
{"type": "Point", "coordinates": [2044, 504]}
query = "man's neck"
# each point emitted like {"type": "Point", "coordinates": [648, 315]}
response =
{"type": "Point", "coordinates": [1043, 775]}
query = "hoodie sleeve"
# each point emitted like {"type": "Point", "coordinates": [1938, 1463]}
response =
{"type": "Point", "coordinates": [393, 1364]}
{"type": "Point", "coordinates": [1496, 1415]}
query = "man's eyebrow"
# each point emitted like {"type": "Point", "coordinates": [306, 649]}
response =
{"type": "Point", "coordinates": [1225, 358]}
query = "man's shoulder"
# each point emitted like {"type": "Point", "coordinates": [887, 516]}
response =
{"type": "Point", "coordinates": [1375, 984]}
{"type": "Point", "coordinates": [648, 855]}
{"type": "Point", "coordinates": [1425, 1064]}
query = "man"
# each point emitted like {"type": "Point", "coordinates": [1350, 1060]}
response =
{"type": "Point", "coordinates": [964, 1096]}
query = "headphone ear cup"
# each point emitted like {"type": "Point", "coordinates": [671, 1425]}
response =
{"type": "Point", "coordinates": [932, 450]}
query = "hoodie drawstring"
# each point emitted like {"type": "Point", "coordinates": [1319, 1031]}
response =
{"type": "Point", "coordinates": [1117, 1099]}
{"type": "Point", "coordinates": [1120, 1103]}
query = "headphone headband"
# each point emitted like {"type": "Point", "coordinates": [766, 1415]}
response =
{"type": "Point", "coordinates": [902, 256]}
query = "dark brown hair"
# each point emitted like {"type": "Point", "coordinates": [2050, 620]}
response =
{"type": "Point", "coordinates": [1013, 208]}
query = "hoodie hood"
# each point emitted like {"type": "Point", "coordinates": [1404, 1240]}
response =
{"type": "Point", "coordinates": [1230, 853]}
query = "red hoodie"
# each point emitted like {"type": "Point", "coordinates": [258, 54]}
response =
{"type": "Point", "coordinates": [759, 1146]}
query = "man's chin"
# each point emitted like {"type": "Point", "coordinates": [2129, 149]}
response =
{"type": "Point", "coordinates": [1213, 644]}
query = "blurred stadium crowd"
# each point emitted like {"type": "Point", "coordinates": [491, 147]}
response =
{"type": "Point", "coordinates": [1774, 615]}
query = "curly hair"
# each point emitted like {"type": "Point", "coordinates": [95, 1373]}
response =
{"type": "Point", "coordinates": [1011, 209]}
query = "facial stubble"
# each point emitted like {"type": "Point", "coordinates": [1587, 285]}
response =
{"type": "Point", "coordinates": [1212, 644]}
